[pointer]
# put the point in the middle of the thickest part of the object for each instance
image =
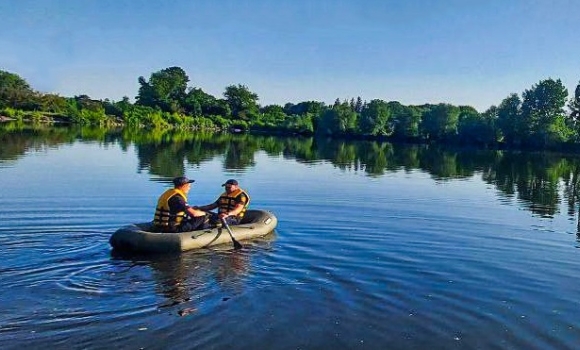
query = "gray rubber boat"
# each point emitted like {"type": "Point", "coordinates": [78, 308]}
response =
{"type": "Point", "coordinates": [139, 238]}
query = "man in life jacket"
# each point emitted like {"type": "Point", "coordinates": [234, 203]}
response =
{"type": "Point", "coordinates": [231, 204]}
{"type": "Point", "coordinates": [173, 214]}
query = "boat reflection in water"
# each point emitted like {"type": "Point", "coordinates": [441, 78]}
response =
{"type": "Point", "coordinates": [187, 279]}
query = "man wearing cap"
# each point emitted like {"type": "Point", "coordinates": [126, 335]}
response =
{"type": "Point", "coordinates": [173, 214]}
{"type": "Point", "coordinates": [231, 204]}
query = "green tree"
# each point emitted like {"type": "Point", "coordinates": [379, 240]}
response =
{"type": "Point", "coordinates": [243, 103]}
{"type": "Point", "coordinates": [490, 132]}
{"type": "Point", "coordinates": [305, 115]}
{"type": "Point", "coordinates": [302, 124]}
{"type": "Point", "coordinates": [439, 122]}
{"type": "Point", "coordinates": [272, 116]}
{"type": "Point", "coordinates": [52, 103]}
{"type": "Point", "coordinates": [221, 108]}
{"type": "Point", "coordinates": [574, 117]}
{"type": "Point", "coordinates": [14, 91]}
{"type": "Point", "coordinates": [509, 120]}
{"type": "Point", "coordinates": [82, 109]}
{"type": "Point", "coordinates": [193, 101]}
{"type": "Point", "coordinates": [358, 106]}
{"type": "Point", "coordinates": [543, 113]}
{"type": "Point", "coordinates": [123, 105]}
{"type": "Point", "coordinates": [137, 115]}
{"type": "Point", "coordinates": [302, 108]}
{"type": "Point", "coordinates": [406, 120]}
{"type": "Point", "coordinates": [166, 89]}
{"type": "Point", "coordinates": [374, 118]}
{"type": "Point", "coordinates": [338, 120]}
{"type": "Point", "coordinates": [477, 128]}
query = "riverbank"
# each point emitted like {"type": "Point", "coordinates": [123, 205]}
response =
{"type": "Point", "coordinates": [44, 118]}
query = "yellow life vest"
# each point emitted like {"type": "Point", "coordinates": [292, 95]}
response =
{"type": "Point", "coordinates": [227, 202]}
{"type": "Point", "coordinates": [163, 218]}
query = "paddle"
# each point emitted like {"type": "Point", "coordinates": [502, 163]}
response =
{"type": "Point", "coordinates": [237, 244]}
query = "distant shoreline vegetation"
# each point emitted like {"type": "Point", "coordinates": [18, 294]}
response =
{"type": "Point", "coordinates": [543, 117]}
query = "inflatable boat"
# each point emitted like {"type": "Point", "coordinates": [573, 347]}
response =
{"type": "Point", "coordinates": [140, 238]}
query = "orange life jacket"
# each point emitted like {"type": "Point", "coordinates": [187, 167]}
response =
{"type": "Point", "coordinates": [227, 202]}
{"type": "Point", "coordinates": [163, 218]}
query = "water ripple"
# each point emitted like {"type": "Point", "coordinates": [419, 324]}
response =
{"type": "Point", "coordinates": [396, 262]}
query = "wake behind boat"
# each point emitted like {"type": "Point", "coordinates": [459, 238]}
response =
{"type": "Point", "coordinates": [140, 238]}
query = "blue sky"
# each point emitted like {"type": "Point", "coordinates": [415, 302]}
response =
{"type": "Point", "coordinates": [464, 52]}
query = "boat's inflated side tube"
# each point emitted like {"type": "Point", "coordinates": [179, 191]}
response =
{"type": "Point", "coordinates": [140, 238]}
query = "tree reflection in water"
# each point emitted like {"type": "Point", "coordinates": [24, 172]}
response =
{"type": "Point", "coordinates": [540, 182]}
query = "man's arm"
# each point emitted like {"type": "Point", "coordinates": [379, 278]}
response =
{"type": "Point", "coordinates": [195, 212]}
{"type": "Point", "coordinates": [207, 207]}
{"type": "Point", "coordinates": [177, 203]}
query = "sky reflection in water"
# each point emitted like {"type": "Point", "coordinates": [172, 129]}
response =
{"type": "Point", "coordinates": [378, 245]}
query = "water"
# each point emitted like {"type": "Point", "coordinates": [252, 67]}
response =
{"type": "Point", "coordinates": [377, 247]}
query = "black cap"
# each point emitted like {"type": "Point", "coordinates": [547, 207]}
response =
{"type": "Point", "coordinates": [230, 182]}
{"type": "Point", "coordinates": [181, 180]}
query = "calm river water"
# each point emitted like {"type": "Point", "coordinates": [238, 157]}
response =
{"type": "Point", "coordinates": [378, 246]}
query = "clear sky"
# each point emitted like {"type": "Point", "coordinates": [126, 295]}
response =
{"type": "Point", "coordinates": [464, 52]}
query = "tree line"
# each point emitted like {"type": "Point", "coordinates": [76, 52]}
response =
{"type": "Point", "coordinates": [543, 116]}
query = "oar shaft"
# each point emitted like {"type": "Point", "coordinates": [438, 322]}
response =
{"type": "Point", "coordinates": [237, 244]}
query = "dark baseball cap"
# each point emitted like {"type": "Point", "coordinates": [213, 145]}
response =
{"type": "Point", "coordinates": [230, 182]}
{"type": "Point", "coordinates": [181, 180]}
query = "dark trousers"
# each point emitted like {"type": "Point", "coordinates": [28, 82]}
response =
{"type": "Point", "coordinates": [195, 223]}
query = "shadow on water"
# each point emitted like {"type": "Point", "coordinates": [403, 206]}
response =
{"type": "Point", "coordinates": [541, 182]}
